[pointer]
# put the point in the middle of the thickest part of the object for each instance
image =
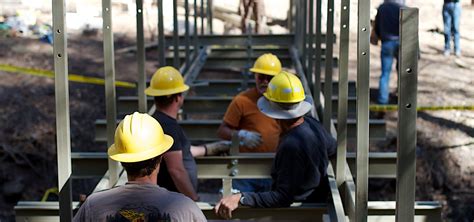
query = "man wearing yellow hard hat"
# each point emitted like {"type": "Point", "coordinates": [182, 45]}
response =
{"type": "Point", "coordinates": [139, 146]}
{"type": "Point", "coordinates": [301, 160]}
{"type": "Point", "coordinates": [256, 132]}
{"type": "Point", "coordinates": [179, 171]}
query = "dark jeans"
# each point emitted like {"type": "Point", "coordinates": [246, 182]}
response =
{"type": "Point", "coordinates": [388, 53]}
{"type": "Point", "coordinates": [451, 16]}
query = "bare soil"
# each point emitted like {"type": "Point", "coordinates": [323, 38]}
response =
{"type": "Point", "coordinates": [445, 171]}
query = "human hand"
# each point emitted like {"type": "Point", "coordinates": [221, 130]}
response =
{"type": "Point", "coordinates": [249, 139]}
{"type": "Point", "coordinates": [218, 147]}
{"type": "Point", "coordinates": [226, 205]}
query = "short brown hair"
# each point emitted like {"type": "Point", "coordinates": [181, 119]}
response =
{"type": "Point", "coordinates": [142, 168]}
{"type": "Point", "coordinates": [163, 101]}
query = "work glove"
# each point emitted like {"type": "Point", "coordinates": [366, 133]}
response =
{"type": "Point", "coordinates": [218, 147]}
{"type": "Point", "coordinates": [249, 139]}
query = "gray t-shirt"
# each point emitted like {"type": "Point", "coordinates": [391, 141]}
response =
{"type": "Point", "coordinates": [138, 202]}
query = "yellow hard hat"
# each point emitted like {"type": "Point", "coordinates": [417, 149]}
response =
{"type": "Point", "coordinates": [267, 64]}
{"type": "Point", "coordinates": [285, 88]}
{"type": "Point", "coordinates": [166, 81]}
{"type": "Point", "coordinates": [139, 137]}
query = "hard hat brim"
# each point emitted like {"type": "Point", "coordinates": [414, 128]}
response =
{"type": "Point", "coordinates": [145, 155]}
{"type": "Point", "coordinates": [273, 110]}
{"type": "Point", "coordinates": [262, 71]}
{"type": "Point", "coordinates": [156, 92]}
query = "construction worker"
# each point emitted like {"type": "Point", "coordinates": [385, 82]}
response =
{"type": "Point", "coordinates": [256, 132]}
{"type": "Point", "coordinates": [179, 172]}
{"type": "Point", "coordinates": [299, 167]}
{"type": "Point", "coordinates": [139, 146]}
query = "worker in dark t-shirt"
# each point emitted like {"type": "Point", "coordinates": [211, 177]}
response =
{"type": "Point", "coordinates": [178, 170]}
{"type": "Point", "coordinates": [300, 164]}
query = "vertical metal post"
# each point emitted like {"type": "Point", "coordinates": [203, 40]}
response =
{"type": "Point", "coordinates": [196, 46]}
{"type": "Point", "coordinates": [297, 40]}
{"type": "Point", "coordinates": [304, 7]}
{"type": "Point", "coordinates": [328, 77]}
{"type": "Point", "coordinates": [309, 71]}
{"type": "Point", "coordinates": [343, 93]}
{"type": "Point", "coordinates": [209, 16]}
{"type": "Point", "coordinates": [317, 61]}
{"type": "Point", "coordinates": [186, 34]}
{"type": "Point", "coordinates": [142, 103]}
{"type": "Point", "coordinates": [176, 61]}
{"type": "Point", "coordinates": [109, 68]}
{"type": "Point", "coordinates": [63, 137]}
{"type": "Point", "coordinates": [291, 17]}
{"type": "Point", "coordinates": [202, 17]}
{"type": "Point", "coordinates": [161, 35]}
{"type": "Point", "coordinates": [363, 71]}
{"type": "Point", "coordinates": [406, 142]}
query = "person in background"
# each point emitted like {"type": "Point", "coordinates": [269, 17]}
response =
{"type": "Point", "coordinates": [139, 146]}
{"type": "Point", "coordinates": [300, 164]}
{"type": "Point", "coordinates": [387, 29]}
{"type": "Point", "coordinates": [179, 171]}
{"type": "Point", "coordinates": [451, 17]}
{"type": "Point", "coordinates": [256, 132]}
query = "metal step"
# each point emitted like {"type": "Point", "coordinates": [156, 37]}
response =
{"type": "Point", "coordinates": [206, 130]}
{"type": "Point", "coordinates": [207, 104]}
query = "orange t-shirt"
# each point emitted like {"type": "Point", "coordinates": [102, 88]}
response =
{"type": "Point", "coordinates": [243, 113]}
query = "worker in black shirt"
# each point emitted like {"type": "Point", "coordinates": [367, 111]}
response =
{"type": "Point", "coordinates": [178, 170]}
{"type": "Point", "coordinates": [299, 168]}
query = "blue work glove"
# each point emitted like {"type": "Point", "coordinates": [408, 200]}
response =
{"type": "Point", "coordinates": [249, 139]}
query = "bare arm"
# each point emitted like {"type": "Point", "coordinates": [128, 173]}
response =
{"type": "Point", "coordinates": [225, 131]}
{"type": "Point", "coordinates": [174, 161]}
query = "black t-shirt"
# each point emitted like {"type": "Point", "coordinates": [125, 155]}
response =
{"type": "Point", "coordinates": [299, 169]}
{"type": "Point", "coordinates": [181, 142]}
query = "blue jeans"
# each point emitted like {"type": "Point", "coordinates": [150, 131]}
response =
{"type": "Point", "coordinates": [451, 16]}
{"type": "Point", "coordinates": [388, 53]}
{"type": "Point", "coordinates": [252, 185]}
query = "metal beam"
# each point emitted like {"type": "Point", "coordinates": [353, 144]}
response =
{"type": "Point", "coordinates": [240, 40]}
{"type": "Point", "coordinates": [248, 165]}
{"type": "Point", "coordinates": [211, 104]}
{"type": "Point", "coordinates": [36, 211]}
{"type": "Point", "coordinates": [328, 77]}
{"type": "Point", "coordinates": [142, 106]}
{"type": "Point", "coordinates": [343, 106]}
{"type": "Point", "coordinates": [363, 70]}
{"type": "Point", "coordinates": [406, 140]}
{"type": "Point", "coordinates": [317, 62]}
{"type": "Point", "coordinates": [161, 35]}
{"type": "Point", "coordinates": [187, 59]}
{"type": "Point", "coordinates": [61, 88]}
{"type": "Point", "coordinates": [110, 100]}
{"type": "Point", "coordinates": [176, 60]}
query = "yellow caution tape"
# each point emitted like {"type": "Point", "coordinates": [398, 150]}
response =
{"type": "Point", "coordinates": [383, 108]}
{"type": "Point", "coordinates": [72, 77]}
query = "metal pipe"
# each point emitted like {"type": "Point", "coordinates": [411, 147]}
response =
{"type": "Point", "coordinates": [363, 70]}
{"type": "Point", "coordinates": [310, 62]}
{"type": "Point", "coordinates": [317, 61]}
{"type": "Point", "coordinates": [196, 40]}
{"type": "Point", "coordinates": [61, 86]}
{"type": "Point", "coordinates": [209, 16]}
{"type": "Point", "coordinates": [304, 30]}
{"type": "Point", "coordinates": [176, 61]}
{"type": "Point", "coordinates": [186, 33]}
{"type": "Point", "coordinates": [142, 105]}
{"type": "Point", "coordinates": [161, 35]}
{"type": "Point", "coordinates": [406, 140]}
{"type": "Point", "coordinates": [202, 17]}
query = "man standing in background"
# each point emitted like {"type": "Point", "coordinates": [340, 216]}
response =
{"type": "Point", "coordinates": [451, 16]}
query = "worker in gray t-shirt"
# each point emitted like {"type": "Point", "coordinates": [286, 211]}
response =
{"type": "Point", "coordinates": [139, 145]}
